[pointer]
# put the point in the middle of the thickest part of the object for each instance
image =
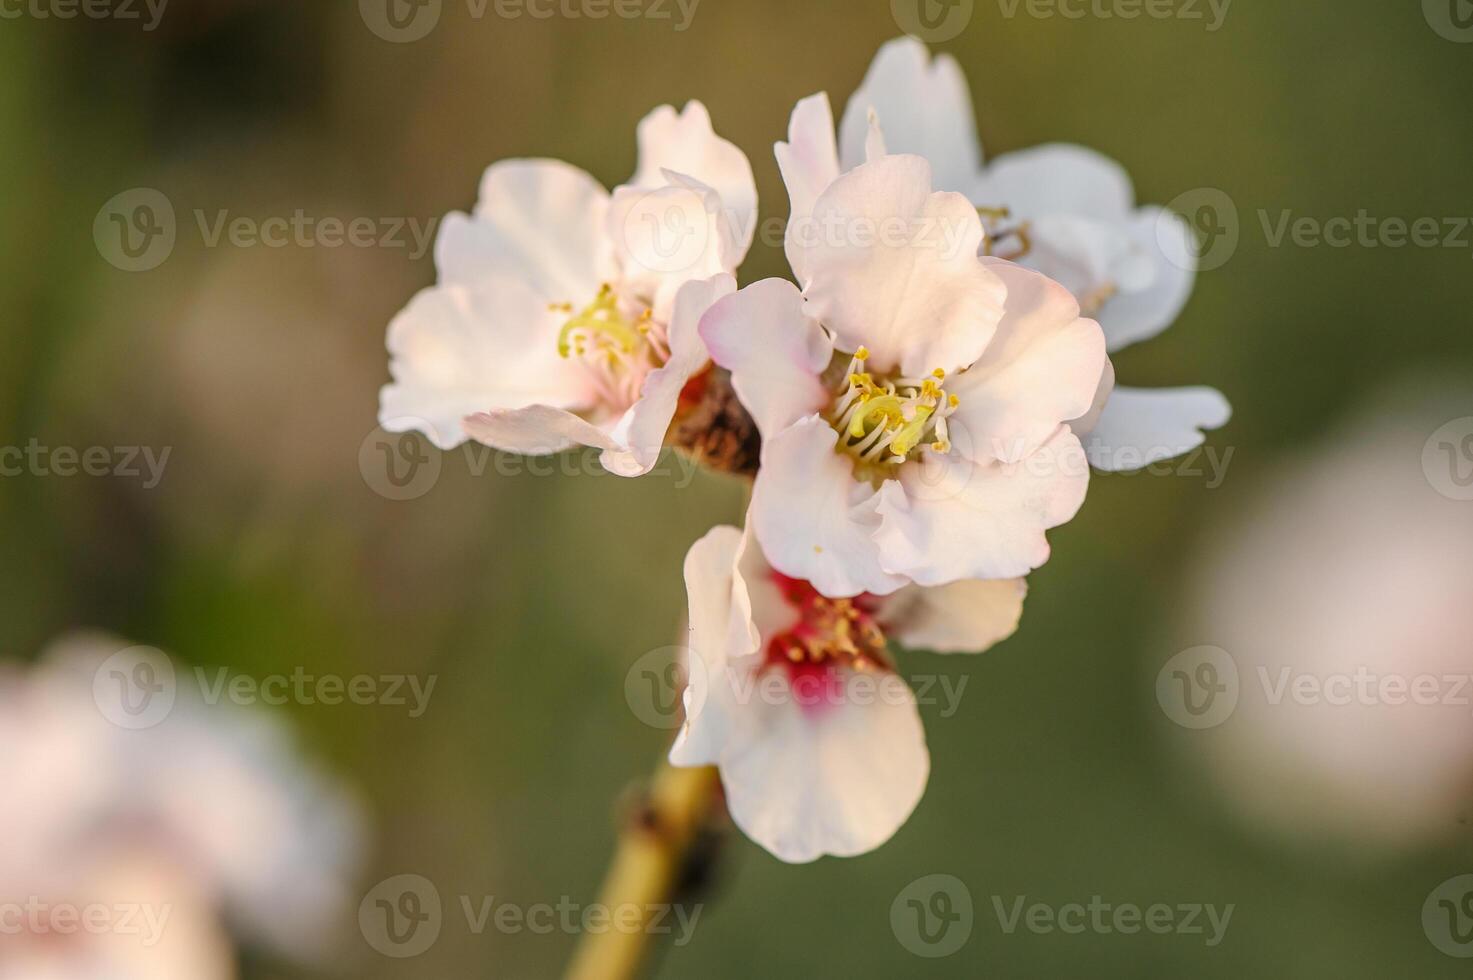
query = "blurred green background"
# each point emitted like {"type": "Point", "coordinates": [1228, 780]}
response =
{"type": "Point", "coordinates": [530, 597]}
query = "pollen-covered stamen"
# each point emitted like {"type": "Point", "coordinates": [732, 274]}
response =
{"type": "Point", "coordinates": [887, 422]}
{"type": "Point", "coordinates": [830, 633]}
{"type": "Point", "coordinates": [619, 349]}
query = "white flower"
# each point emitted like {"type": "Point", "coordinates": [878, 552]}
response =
{"type": "Point", "coordinates": [795, 698]}
{"type": "Point", "coordinates": [565, 315]}
{"type": "Point", "coordinates": [934, 447]}
{"type": "Point", "coordinates": [211, 802]}
{"type": "Point", "coordinates": [1341, 595]}
{"type": "Point", "coordinates": [1070, 214]}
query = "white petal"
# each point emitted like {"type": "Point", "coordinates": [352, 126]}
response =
{"type": "Point", "coordinates": [1141, 426]}
{"type": "Point", "coordinates": [840, 779]}
{"type": "Point", "coordinates": [686, 143]}
{"type": "Point", "coordinates": [1057, 178]}
{"type": "Point", "coordinates": [1085, 424]}
{"type": "Point", "coordinates": [666, 236]}
{"type": "Point", "coordinates": [815, 521]}
{"type": "Point", "coordinates": [963, 617]}
{"type": "Point", "coordinates": [535, 431]}
{"type": "Point", "coordinates": [774, 352]}
{"type": "Point", "coordinates": [642, 434]}
{"type": "Point", "coordinates": [538, 220]}
{"type": "Point", "coordinates": [949, 519]}
{"type": "Point", "coordinates": [924, 108]}
{"type": "Point", "coordinates": [1041, 370]}
{"type": "Point", "coordinates": [455, 351]}
{"type": "Point", "coordinates": [894, 267]}
{"type": "Point", "coordinates": [1135, 315]}
{"type": "Point", "coordinates": [709, 569]}
{"type": "Point", "coordinates": [809, 162]}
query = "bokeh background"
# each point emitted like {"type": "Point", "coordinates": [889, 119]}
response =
{"type": "Point", "coordinates": [265, 548]}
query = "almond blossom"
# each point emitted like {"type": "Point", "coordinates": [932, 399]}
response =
{"type": "Point", "coordinates": [1068, 212]}
{"type": "Point", "coordinates": [796, 699]}
{"type": "Point", "coordinates": [207, 817]}
{"type": "Point", "coordinates": [565, 315]}
{"type": "Point", "coordinates": [912, 397]}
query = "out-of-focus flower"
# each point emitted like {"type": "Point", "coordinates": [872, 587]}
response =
{"type": "Point", "coordinates": [933, 448]}
{"type": "Point", "coordinates": [819, 742]}
{"type": "Point", "coordinates": [1071, 214]}
{"type": "Point", "coordinates": [211, 805]}
{"type": "Point", "coordinates": [1341, 597]}
{"type": "Point", "coordinates": [565, 315]}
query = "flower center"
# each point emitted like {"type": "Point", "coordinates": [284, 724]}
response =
{"type": "Point", "coordinates": [618, 351]}
{"type": "Point", "coordinates": [830, 633]}
{"type": "Point", "coordinates": [888, 422]}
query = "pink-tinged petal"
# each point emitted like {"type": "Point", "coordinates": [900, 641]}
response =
{"type": "Point", "coordinates": [454, 351]}
{"type": "Point", "coordinates": [538, 220]}
{"type": "Point", "coordinates": [1133, 315]}
{"type": "Point", "coordinates": [809, 162]}
{"type": "Point", "coordinates": [838, 781]}
{"type": "Point", "coordinates": [667, 236]}
{"type": "Point", "coordinates": [684, 142]}
{"type": "Point", "coordinates": [710, 567]}
{"type": "Point", "coordinates": [535, 431]}
{"type": "Point", "coordinates": [1095, 260]}
{"type": "Point", "coordinates": [1041, 370]}
{"type": "Point", "coordinates": [924, 108]}
{"type": "Point", "coordinates": [1057, 178]}
{"type": "Point", "coordinates": [949, 519]}
{"type": "Point", "coordinates": [1085, 424]}
{"type": "Point", "coordinates": [963, 617]}
{"type": "Point", "coordinates": [894, 267]}
{"type": "Point", "coordinates": [774, 352]}
{"type": "Point", "coordinates": [1142, 426]}
{"type": "Point", "coordinates": [642, 432]}
{"type": "Point", "coordinates": [814, 520]}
